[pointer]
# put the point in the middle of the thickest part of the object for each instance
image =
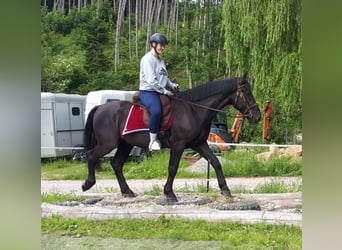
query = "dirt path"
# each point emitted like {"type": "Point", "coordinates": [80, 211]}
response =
{"type": "Point", "coordinates": [140, 186]}
{"type": "Point", "coordinates": [274, 208]}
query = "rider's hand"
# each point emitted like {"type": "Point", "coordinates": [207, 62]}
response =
{"type": "Point", "coordinates": [167, 92]}
{"type": "Point", "coordinates": [175, 87]}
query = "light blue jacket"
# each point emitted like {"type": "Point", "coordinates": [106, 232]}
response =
{"type": "Point", "coordinates": [153, 74]}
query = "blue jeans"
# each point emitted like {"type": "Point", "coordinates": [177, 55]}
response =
{"type": "Point", "coordinates": [151, 101]}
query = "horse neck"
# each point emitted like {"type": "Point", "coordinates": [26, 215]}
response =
{"type": "Point", "coordinates": [217, 101]}
{"type": "Point", "coordinates": [214, 95]}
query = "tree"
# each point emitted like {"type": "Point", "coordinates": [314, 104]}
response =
{"type": "Point", "coordinates": [122, 4]}
{"type": "Point", "coordinates": [264, 39]}
{"type": "Point", "coordinates": [96, 40]}
{"type": "Point", "coordinates": [149, 14]}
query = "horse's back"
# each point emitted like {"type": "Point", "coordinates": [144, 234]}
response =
{"type": "Point", "coordinates": [112, 115]}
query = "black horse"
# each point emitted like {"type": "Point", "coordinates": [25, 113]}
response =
{"type": "Point", "coordinates": [193, 111]}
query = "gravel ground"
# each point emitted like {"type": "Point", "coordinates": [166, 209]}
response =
{"type": "Point", "coordinates": [274, 208]}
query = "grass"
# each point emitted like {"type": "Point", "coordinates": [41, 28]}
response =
{"type": "Point", "coordinates": [238, 164]}
{"type": "Point", "coordinates": [276, 188]}
{"type": "Point", "coordinates": [236, 235]}
{"type": "Point", "coordinates": [56, 197]}
{"type": "Point", "coordinates": [243, 164]}
{"type": "Point", "coordinates": [232, 235]}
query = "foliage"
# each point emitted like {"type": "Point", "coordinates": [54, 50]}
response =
{"type": "Point", "coordinates": [90, 32]}
{"type": "Point", "coordinates": [77, 51]}
{"type": "Point", "coordinates": [235, 235]}
{"type": "Point", "coordinates": [264, 39]}
{"type": "Point", "coordinates": [243, 163]}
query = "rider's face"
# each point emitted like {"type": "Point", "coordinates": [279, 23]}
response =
{"type": "Point", "coordinates": [160, 48]}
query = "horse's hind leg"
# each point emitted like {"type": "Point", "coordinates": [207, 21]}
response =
{"type": "Point", "coordinates": [206, 152]}
{"type": "Point", "coordinates": [117, 163]}
{"type": "Point", "coordinates": [93, 157]}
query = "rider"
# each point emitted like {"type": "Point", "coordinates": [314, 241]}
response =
{"type": "Point", "coordinates": [153, 82]}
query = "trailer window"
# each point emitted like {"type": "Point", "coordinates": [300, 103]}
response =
{"type": "Point", "coordinates": [75, 111]}
{"type": "Point", "coordinates": [110, 100]}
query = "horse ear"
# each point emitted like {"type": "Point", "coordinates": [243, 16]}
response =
{"type": "Point", "coordinates": [244, 77]}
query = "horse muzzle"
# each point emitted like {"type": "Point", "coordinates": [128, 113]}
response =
{"type": "Point", "coordinates": [253, 117]}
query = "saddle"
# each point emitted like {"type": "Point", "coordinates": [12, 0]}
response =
{"type": "Point", "coordinates": [166, 103]}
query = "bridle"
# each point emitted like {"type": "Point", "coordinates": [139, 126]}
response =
{"type": "Point", "coordinates": [239, 93]}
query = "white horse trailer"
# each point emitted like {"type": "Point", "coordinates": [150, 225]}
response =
{"type": "Point", "coordinates": [62, 123]}
{"type": "Point", "coordinates": [98, 97]}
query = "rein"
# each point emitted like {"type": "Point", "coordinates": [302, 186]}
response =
{"type": "Point", "coordinates": [199, 105]}
{"type": "Point", "coordinates": [239, 92]}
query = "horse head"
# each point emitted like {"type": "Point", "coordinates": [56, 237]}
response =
{"type": "Point", "coordinates": [245, 101]}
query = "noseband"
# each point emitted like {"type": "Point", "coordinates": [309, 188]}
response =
{"type": "Point", "coordinates": [241, 94]}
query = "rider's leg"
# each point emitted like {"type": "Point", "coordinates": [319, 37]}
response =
{"type": "Point", "coordinates": [151, 101]}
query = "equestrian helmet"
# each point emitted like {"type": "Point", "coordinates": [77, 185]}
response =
{"type": "Point", "coordinates": [158, 38]}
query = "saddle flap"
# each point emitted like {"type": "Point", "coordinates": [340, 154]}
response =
{"type": "Point", "coordinates": [166, 108]}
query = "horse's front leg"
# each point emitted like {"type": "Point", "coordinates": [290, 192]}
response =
{"type": "Point", "coordinates": [204, 150]}
{"type": "Point", "coordinates": [175, 155]}
{"type": "Point", "coordinates": [117, 163]}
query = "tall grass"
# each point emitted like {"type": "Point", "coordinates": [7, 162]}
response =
{"type": "Point", "coordinates": [244, 164]}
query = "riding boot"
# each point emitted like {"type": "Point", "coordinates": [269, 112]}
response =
{"type": "Point", "coordinates": [154, 143]}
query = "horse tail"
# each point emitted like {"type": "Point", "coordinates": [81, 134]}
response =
{"type": "Point", "coordinates": [89, 136]}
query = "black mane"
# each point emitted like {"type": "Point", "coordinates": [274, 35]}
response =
{"type": "Point", "coordinates": [208, 89]}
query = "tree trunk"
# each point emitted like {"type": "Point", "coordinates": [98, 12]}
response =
{"type": "Point", "coordinates": [188, 55]}
{"type": "Point", "coordinates": [165, 11]}
{"type": "Point", "coordinates": [205, 25]}
{"type": "Point", "coordinates": [143, 12]}
{"type": "Point", "coordinates": [122, 4]}
{"type": "Point", "coordinates": [129, 31]}
{"type": "Point", "coordinates": [157, 15]}
{"type": "Point", "coordinates": [171, 23]}
{"type": "Point", "coordinates": [150, 11]}
{"type": "Point", "coordinates": [176, 38]}
{"type": "Point", "coordinates": [219, 48]}
{"type": "Point", "coordinates": [198, 27]}
{"type": "Point", "coordinates": [137, 7]}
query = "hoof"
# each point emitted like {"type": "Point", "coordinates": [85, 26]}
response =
{"type": "Point", "coordinates": [87, 185]}
{"type": "Point", "coordinates": [171, 198]}
{"type": "Point", "coordinates": [227, 193]}
{"type": "Point", "coordinates": [129, 195]}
